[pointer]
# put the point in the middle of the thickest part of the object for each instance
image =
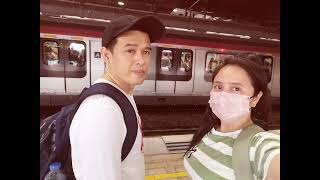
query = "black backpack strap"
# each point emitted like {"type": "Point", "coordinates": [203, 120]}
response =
{"type": "Point", "coordinates": [128, 112]}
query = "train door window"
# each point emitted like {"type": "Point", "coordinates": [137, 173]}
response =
{"type": "Point", "coordinates": [76, 54]}
{"type": "Point", "coordinates": [174, 64]}
{"type": "Point", "coordinates": [212, 61]}
{"type": "Point", "coordinates": [186, 61]}
{"type": "Point", "coordinates": [50, 53]}
{"type": "Point", "coordinates": [184, 65]}
{"type": "Point", "coordinates": [268, 62]}
{"type": "Point", "coordinates": [166, 60]}
{"type": "Point", "coordinates": [51, 58]}
{"type": "Point", "coordinates": [76, 59]}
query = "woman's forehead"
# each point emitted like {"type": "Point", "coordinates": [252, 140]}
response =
{"type": "Point", "coordinates": [233, 74]}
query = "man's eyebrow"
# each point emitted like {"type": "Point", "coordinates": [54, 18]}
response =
{"type": "Point", "coordinates": [131, 45]}
{"type": "Point", "coordinates": [135, 45]}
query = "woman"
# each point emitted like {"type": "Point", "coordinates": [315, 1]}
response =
{"type": "Point", "coordinates": [239, 96]}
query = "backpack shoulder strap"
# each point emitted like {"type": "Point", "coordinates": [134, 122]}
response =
{"type": "Point", "coordinates": [128, 112]}
{"type": "Point", "coordinates": [240, 153]}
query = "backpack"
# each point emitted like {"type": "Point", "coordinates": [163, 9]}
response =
{"type": "Point", "coordinates": [240, 153]}
{"type": "Point", "coordinates": [54, 130]}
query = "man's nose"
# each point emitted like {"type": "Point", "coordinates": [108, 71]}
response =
{"type": "Point", "coordinates": [139, 58]}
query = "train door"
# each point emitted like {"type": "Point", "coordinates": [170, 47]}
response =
{"type": "Point", "coordinates": [174, 71]}
{"type": "Point", "coordinates": [275, 82]}
{"type": "Point", "coordinates": [51, 66]}
{"type": "Point", "coordinates": [166, 71]}
{"type": "Point", "coordinates": [185, 72]}
{"type": "Point", "coordinates": [97, 63]}
{"type": "Point", "coordinates": [201, 87]}
{"type": "Point", "coordinates": [77, 65]}
{"type": "Point", "coordinates": [63, 66]}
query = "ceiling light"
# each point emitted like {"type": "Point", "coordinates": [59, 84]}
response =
{"type": "Point", "coordinates": [227, 20]}
{"type": "Point", "coordinates": [270, 39]}
{"type": "Point", "coordinates": [180, 29]}
{"type": "Point", "coordinates": [227, 34]}
{"type": "Point", "coordinates": [120, 3]}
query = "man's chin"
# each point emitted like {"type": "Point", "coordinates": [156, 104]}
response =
{"type": "Point", "coordinates": [139, 82]}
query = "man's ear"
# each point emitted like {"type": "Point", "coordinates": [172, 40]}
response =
{"type": "Point", "coordinates": [105, 54]}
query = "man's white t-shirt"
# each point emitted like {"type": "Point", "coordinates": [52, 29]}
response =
{"type": "Point", "coordinates": [97, 133]}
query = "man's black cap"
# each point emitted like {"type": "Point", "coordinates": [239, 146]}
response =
{"type": "Point", "coordinates": [149, 24]}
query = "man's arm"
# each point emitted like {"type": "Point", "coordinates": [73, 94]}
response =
{"type": "Point", "coordinates": [96, 134]}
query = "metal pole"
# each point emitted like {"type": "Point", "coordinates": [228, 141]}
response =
{"type": "Point", "coordinates": [193, 4]}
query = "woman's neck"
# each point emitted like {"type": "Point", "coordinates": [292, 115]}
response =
{"type": "Point", "coordinates": [235, 125]}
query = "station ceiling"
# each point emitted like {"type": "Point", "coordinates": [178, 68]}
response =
{"type": "Point", "coordinates": [239, 20]}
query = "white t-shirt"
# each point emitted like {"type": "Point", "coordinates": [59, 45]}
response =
{"type": "Point", "coordinates": [97, 133]}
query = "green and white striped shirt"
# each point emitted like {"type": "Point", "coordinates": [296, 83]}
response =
{"type": "Point", "coordinates": [213, 156]}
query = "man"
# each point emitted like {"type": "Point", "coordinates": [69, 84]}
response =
{"type": "Point", "coordinates": [98, 130]}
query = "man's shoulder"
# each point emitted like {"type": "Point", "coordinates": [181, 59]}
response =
{"type": "Point", "coordinates": [97, 108]}
{"type": "Point", "coordinates": [100, 100]}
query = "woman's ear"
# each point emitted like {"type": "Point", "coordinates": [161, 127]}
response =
{"type": "Point", "coordinates": [256, 99]}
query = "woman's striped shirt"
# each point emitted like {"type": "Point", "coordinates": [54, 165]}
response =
{"type": "Point", "coordinates": [213, 156]}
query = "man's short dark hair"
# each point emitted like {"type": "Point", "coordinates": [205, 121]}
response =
{"type": "Point", "coordinates": [112, 44]}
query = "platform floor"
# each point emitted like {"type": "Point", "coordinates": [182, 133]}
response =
{"type": "Point", "coordinates": [164, 157]}
{"type": "Point", "coordinates": [165, 166]}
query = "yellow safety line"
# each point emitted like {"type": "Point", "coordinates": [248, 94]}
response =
{"type": "Point", "coordinates": [166, 176]}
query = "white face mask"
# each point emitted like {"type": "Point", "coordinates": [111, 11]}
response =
{"type": "Point", "coordinates": [229, 107]}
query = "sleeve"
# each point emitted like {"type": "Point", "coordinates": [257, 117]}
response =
{"type": "Point", "coordinates": [97, 133]}
{"type": "Point", "coordinates": [264, 146]}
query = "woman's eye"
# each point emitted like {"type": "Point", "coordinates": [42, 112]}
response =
{"type": "Point", "coordinates": [235, 89]}
{"type": "Point", "coordinates": [217, 87]}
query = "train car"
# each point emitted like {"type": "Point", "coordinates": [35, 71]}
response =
{"type": "Point", "coordinates": [180, 71]}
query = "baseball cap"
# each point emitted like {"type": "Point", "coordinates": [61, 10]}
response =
{"type": "Point", "coordinates": [149, 24]}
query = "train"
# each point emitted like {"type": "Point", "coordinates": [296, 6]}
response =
{"type": "Point", "coordinates": [180, 71]}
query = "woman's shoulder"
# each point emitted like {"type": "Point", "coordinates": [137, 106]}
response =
{"type": "Point", "coordinates": [264, 138]}
{"type": "Point", "coordinates": [264, 146]}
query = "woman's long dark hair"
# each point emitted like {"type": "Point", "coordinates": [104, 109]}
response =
{"type": "Point", "coordinates": [258, 79]}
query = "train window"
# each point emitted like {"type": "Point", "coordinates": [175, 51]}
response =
{"type": "Point", "coordinates": [267, 66]}
{"type": "Point", "coordinates": [174, 64]}
{"type": "Point", "coordinates": [50, 53]}
{"type": "Point", "coordinates": [266, 63]}
{"type": "Point", "coordinates": [212, 61]}
{"type": "Point", "coordinates": [76, 54]}
{"type": "Point", "coordinates": [62, 58]}
{"type": "Point", "coordinates": [186, 61]}
{"type": "Point", "coordinates": [166, 60]}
